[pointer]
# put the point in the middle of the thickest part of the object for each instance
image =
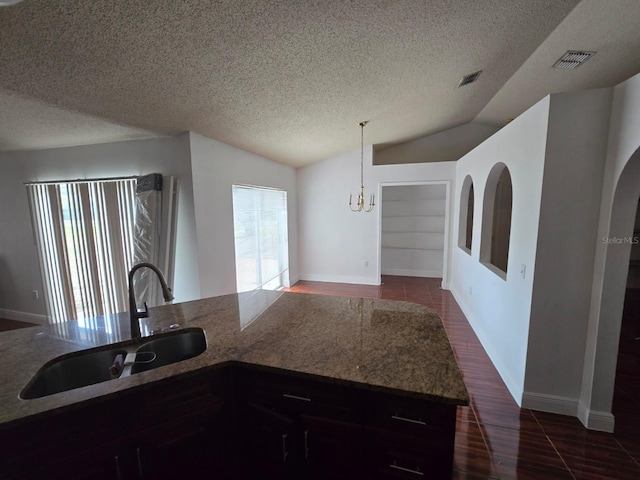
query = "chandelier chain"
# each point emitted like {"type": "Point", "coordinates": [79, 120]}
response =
{"type": "Point", "coordinates": [362, 124]}
{"type": "Point", "coordinates": [360, 207]}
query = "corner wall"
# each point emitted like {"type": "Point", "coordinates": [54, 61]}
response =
{"type": "Point", "coordinates": [337, 245]}
{"type": "Point", "coordinates": [566, 241]}
{"type": "Point", "coordinates": [216, 166]}
{"type": "Point", "coordinates": [19, 269]}
{"type": "Point", "coordinates": [445, 146]}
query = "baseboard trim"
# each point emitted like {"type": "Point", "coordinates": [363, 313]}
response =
{"type": "Point", "coordinates": [550, 403]}
{"type": "Point", "coordinates": [24, 316]}
{"type": "Point", "coordinates": [596, 420]}
{"type": "Point", "coordinates": [515, 389]}
{"type": "Point", "coordinates": [293, 281]}
{"type": "Point", "coordinates": [337, 279]}
{"type": "Point", "coordinates": [412, 273]}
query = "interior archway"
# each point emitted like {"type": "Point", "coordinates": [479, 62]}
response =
{"type": "Point", "coordinates": [604, 332]}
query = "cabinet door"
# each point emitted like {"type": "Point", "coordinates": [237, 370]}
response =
{"type": "Point", "coordinates": [191, 446]}
{"type": "Point", "coordinates": [331, 449]}
{"type": "Point", "coordinates": [267, 444]}
{"type": "Point", "coordinates": [104, 463]}
{"type": "Point", "coordinates": [181, 430]}
{"type": "Point", "coordinates": [78, 444]}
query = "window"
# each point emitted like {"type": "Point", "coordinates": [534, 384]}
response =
{"type": "Point", "coordinates": [85, 237]}
{"type": "Point", "coordinates": [465, 225]}
{"type": "Point", "coordinates": [261, 238]}
{"type": "Point", "coordinates": [496, 219]}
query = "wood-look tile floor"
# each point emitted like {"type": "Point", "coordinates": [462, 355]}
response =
{"type": "Point", "coordinates": [495, 439]}
{"type": "Point", "coordinates": [6, 325]}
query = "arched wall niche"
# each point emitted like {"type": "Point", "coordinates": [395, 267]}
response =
{"type": "Point", "coordinates": [465, 224]}
{"type": "Point", "coordinates": [496, 220]}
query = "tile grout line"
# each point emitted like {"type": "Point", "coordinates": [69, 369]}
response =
{"type": "Point", "coordinates": [552, 444]}
{"type": "Point", "coordinates": [559, 455]}
{"type": "Point", "coordinates": [627, 452]}
{"type": "Point", "coordinates": [484, 439]}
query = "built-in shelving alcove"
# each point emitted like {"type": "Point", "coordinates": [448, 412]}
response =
{"type": "Point", "coordinates": [413, 229]}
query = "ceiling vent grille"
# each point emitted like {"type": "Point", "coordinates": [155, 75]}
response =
{"type": "Point", "coordinates": [572, 59]}
{"type": "Point", "coordinates": [467, 79]}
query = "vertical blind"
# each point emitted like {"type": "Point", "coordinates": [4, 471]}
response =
{"type": "Point", "coordinates": [84, 232]}
{"type": "Point", "coordinates": [261, 238]}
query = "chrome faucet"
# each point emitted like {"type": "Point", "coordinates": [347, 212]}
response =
{"type": "Point", "coordinates": [135, 315]}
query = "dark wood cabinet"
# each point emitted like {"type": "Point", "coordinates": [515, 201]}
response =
{"type": "Point", "coordinates": [267, 446]}
{"type": "Point", "coordinates": [297, 428]}
{"type": "Point", "coordinates": [408, 437]}
{"type": "Point", "coordinates": [103, 462]}
{"type": "Point", "coordinates": [183, 428]}
{"type": "Point", "coordinates": [237, 423]}
{"type": "Point", "coordinates": [160, 433]}
{"type": "Point", "coordinates": [78, 444]}
{"type": "Point", "coordinates": [332, 448]}
{"type": "Point", "coordinates": [302, 428]}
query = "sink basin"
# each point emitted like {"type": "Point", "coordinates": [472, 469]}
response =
{"type": "Point", "coordinates": [170, 349]}
{"type": "Point", "coordinates": [89, 367]}
{"type": "Point", "coordinates": [72, 371]}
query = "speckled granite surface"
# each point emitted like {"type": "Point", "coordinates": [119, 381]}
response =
{"type": "Point", "coordinates": [380, 344]}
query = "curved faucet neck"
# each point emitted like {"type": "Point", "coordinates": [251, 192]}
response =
{"type": "Point", "coordinates": [134, 314]}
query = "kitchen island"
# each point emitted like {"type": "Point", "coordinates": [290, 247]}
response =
{"type": "Point", "coordinates": [295, 381]}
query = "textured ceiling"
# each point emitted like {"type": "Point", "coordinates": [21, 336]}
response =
{"type": "Point", "coordinates": [290, 80]}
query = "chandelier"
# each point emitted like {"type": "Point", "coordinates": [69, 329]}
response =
{"type": "Point", "coordinates": [359, 207]}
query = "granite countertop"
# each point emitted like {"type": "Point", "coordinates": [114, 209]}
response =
{"type": "Point", "coordinates": [378, 344]}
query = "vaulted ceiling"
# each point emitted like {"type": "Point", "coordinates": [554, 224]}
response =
{"type": "Point", "coordinates": [290, 80]}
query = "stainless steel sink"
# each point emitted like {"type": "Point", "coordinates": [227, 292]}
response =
{"type": "Point", "coordinates": [89, 367]}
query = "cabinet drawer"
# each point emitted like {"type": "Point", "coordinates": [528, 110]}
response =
{"type": "Point", "coordinates": [410, 416]}
{"type": "Point", "coordinates": [290, 394]}
{"type": "Point", "coordinates": [178, 399]}
{"type": "Point", "coordinates": [396, 456]}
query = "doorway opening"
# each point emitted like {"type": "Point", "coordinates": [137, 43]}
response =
{"type": "Point", "coordinates": [626, 395]}
{"type": "Point", "coordinates": [414, 229]}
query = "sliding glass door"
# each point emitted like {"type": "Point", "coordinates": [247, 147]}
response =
{"type": "Point", "coordinates": [261, 237]}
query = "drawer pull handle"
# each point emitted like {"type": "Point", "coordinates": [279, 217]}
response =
{"type": "Point", "coordinates": [117, 459]}
{"type": "Point", "coordinates": [408, 470]}
{"type": "Point", "coordinates": [140, 469]}
{"type": "Point", "coordinates": [410, 420]}
{"type": "Point", "coordinates": [306, 444]}
{"type": "Point", "coordinates": [285, 454]}
{"type": "Point", "coordinates": [296, 397]}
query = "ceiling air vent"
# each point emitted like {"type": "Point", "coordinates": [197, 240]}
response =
{"type": "Point", "coordinates": [572, 59]}
{"type": "Point", "coordinates": [467, 79]}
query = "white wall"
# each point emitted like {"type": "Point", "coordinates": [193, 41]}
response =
{"type": "Point", "coordinates": [19, 270]}
{"type": "Point", "coordinates": [216, 167]}
{"type": "Point", "coordinates": [620, 192]}
{"type": "Point", "coordinates": [446, 146]}
{"type": "Point", "coordinates": [335, 243]}
{"type": "Point", "coordinates": [498, 309]}
{"type": "Point", "coordinates": [567, 236]}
